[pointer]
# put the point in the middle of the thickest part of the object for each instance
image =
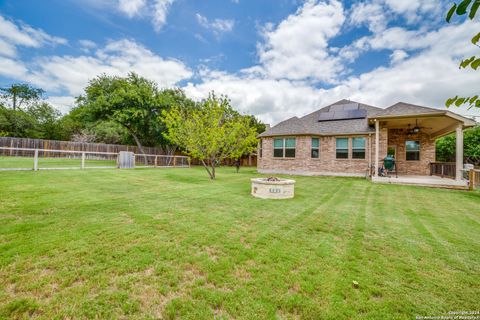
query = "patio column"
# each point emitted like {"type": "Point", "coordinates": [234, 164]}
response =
{"type": "Point", "coordinates": [459, 151]}
{"type": "Point", "coordinates": [377, 145]}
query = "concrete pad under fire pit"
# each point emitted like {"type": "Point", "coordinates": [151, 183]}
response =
{"type": "Point", "coordinates": [273, 188]}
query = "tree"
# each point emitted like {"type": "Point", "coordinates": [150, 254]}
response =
{"type": "Point", "coordinates": [460, 9]}
{"type": "Point", "coordinates": [21, 93]}
{"type": "Point", "coordinates": [260, 127]}
{"type": "Point", "coordinates": [445, 147]}
{"type": "Point", "coordinates": [47, 120]}
{"type": "Point", "coordinates": [211, 132]}
{"type": "Point", "coordinates": [17, 123]}
{"type": "Point", "coordinates": [133, 102]}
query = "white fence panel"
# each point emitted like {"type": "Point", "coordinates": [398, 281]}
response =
{"type": "Point", "coordinates": [46, 159]}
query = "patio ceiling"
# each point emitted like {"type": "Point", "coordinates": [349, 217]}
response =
{"type": "Point", "coordinates": [435, 125]}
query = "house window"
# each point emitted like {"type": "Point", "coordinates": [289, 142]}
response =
{"type": "Point", "coordinates": [284, 147]}
{"type": "Point", "coordinates": [358, 148]}
{"type": "Point", "coordinates": [260, 148]}
{"type": "Point", "coordinates": [413, 150]}
{"type": "Point", "coordinates": [315, 147]}
{"type": "Point", "coordinates": [342, 148]}
{"type": "Point", "coordinates": [278, 148]}
{"type": "Point", "coordinates": [290, 148]}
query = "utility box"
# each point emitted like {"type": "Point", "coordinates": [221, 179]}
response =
{"type": "Point", "coordinates": [126, 160]}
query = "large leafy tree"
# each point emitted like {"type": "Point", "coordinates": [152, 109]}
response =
{"type": "Point", "coordinates": [20, 94]}
{"type": "Point", "coordinates": [466, 8]}
{"type": "Point", "coordinates": [47, 120]}
{"type": "Point", "coordinates": [133, 102]}
{"type": "Point", "coordinates": [211, 132]}
{"type": "Point", "coordinates": [445, 148]}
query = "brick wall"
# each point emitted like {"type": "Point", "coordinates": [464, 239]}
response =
{"type": "Point", "coordinates": [327, 164]}
{"type": "Point", "coordinates": [398, 138]}
{"type": "Point", "coordinates": [303, 163]}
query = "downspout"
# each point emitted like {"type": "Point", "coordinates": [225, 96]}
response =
{"type": "Point", "coordinates": [370, 155]}
{"type": "Point", "coordinates": [377, 146]}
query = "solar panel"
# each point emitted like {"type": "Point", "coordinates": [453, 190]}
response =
{"type": "Point", "coordinates": [344, 107]}
{"type": "Point", "coordinates": [326, 116]}
{"type": "Point", "coordinates": [343, 112]}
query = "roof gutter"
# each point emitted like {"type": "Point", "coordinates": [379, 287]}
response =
{"type": "Point", "coordinates": [411, 115]}
{"type": "Point", "coordinates": [466, 121]}
{"type": "Point", "coordinates": [315, 134]}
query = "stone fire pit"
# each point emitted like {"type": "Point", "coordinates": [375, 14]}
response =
{"type": "Point", "coordinates": [273, 188]}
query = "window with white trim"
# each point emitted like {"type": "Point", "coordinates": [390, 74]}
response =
{"type": "Point", "coordinates": [341, 145]}
{"type": "Point", "coordinates": [284, 147]}
{"type": "Point", "coordinates": [315, 148]}
{"type": "Point", "coordinates": [358, 148]}
{"type": "Point", "coordinates": [412, 150]}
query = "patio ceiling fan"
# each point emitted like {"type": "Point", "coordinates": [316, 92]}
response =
{"type": "Point", "coordinates": [415, 129]}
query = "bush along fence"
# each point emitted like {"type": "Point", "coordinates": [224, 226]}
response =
{"type": "Point", "coordinates": [50, 159]}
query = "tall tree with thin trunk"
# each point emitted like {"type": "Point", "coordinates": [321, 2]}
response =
{"type": "Point", "coordinates": [21, 94]}
{"type": "Point", "coordinates": [211, 132]}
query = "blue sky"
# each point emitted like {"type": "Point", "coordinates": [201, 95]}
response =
{"type": "Point", "coordinates": [275, 59]}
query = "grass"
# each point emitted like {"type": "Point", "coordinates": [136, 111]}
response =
{"type": "Point", "coordinates": [170, 243]}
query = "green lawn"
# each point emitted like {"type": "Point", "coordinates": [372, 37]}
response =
{"type": "Point", "coordinates": [153, 243]}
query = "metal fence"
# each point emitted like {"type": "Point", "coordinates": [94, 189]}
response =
{"type": "Point", "coordinates": [49, 159]}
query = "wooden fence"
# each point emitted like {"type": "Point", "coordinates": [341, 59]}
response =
{"type": "Point", "coordinates": [443, 169]}
{"type": "Point", "coordinates": [473, 179]}
{"type": "Point", "coordinates": [27, 143]}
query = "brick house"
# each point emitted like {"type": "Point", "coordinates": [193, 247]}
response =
{"type": "Point", "coordinates": [349, 138]}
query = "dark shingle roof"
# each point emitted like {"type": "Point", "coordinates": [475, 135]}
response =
{"type": "Point", "coordinates": [309, 124]}
{"type": "Point", "coordinates": [402, 108]}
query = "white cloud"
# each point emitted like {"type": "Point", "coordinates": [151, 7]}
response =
{"type": "Point", "coordinates": [428, 75]}
{"type": "Point", "coordinates": [298, 48]}
{"type": "Point", "coordinates": [160, 11]}
{"type": "Point", "coordinates": [397, 56]}
{"type": "Point", "coordinates": [293, 58]}
{"type": "Point", "coordinates": [7, 49]}
{"type": "Point", "coordinates": [444, 41]}
{"type": "Point", "coordinates": [62, 103]}
{"type": "Point", "coordinates": [12, 68]}
{"type": "Point", "coordinates": [217, 26]}
{"type": "Point", "coordinates": [154, 10]}
{"type": "Point", "coordinates": [131, 8]}
{"type": "Point", "coordinates": [12, 35]}
{"type": "Point", "coordinates": [369, 13]}
{"type": "Point", "coordinates": [58, 73]}
{"type": "Point", "coordinates": [413, 10]}
{"type": "Point", "coordinates": [86, 45]}
{"type": "Point", "coordinates": [272, 100]}
{"type": "Point", "coordinates": [376, 13]}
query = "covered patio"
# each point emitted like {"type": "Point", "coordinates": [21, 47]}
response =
{"type": "Point", "coordinates": [427, 181]}
{"type": "Point", "coordinates": [409, 137]}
